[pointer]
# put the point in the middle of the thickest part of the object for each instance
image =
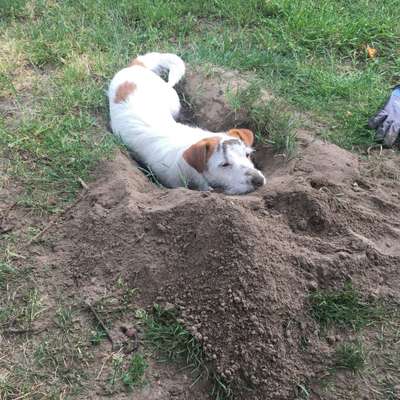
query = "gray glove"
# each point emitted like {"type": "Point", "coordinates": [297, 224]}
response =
{"type": "Point", "coordinates": [387, 120]}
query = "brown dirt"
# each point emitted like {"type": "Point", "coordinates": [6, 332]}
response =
{"type": "Point", "coordinates": [239, 269]}
{"type": "Point", "coordinates": [210, 90]}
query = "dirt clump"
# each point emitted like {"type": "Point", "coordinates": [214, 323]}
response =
{"type": "Point", "coordinates": [239, 269]}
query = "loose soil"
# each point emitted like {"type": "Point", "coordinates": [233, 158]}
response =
{"type": "Point", "coordinates": [239, 269]}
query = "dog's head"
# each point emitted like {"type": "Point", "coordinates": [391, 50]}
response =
{"type": "Point", "coordinates": [224, 162]}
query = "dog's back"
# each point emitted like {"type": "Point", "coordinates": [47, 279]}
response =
{"type": "Point", "coordinates": [137, 93]}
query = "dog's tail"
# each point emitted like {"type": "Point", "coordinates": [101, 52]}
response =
{"type": "Point", "coordinates": [157, 62]}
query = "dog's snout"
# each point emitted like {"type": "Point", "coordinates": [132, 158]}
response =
{"type": "Point", "coordinates": [257, 180]}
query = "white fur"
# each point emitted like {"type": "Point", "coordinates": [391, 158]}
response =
{"type": "Point", "coordinates": [146, 125]}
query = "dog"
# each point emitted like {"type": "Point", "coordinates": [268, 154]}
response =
{"type": "Point", "coordinates": [143, 113]}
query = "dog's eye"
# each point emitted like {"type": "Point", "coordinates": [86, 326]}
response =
{"type": "Point", "coordinates": [248, 155]}
{"type": "Point", "coordinates": [224, 165]}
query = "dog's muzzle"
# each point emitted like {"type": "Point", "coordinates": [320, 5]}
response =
{"type": "Point", "coordinates": [257, 179]}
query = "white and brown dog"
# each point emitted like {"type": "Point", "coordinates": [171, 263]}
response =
{"type": "Point", "coordinates": [142, 110]}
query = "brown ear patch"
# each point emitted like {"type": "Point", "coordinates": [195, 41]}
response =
{"type": "Point", "coordinates": [136, 61]}
{"type": "Point", "coordinates": [245, 135]}
{"type": "Point", "coordinates": [198, 154]}
{"type": "Point", "coordinates": [123, 91]}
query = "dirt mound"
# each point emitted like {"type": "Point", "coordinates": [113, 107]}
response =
{"type": "Point", "coordinates": [239, 269]}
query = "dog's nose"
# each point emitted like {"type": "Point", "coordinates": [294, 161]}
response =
{"type": "Point", "coordinates": [257, 180]}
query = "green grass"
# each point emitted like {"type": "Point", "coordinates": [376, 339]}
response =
{"type": "Point", "coordinates": [65, 319]}
{"type": "Point", "coordinates": [7, 272]}
{"type": "Point", "coordinates": [173, 342]}
{"type": "Point", "coordinates": [97, 336]}
{"type": "Point", "coordinates": [303, 391]}
{"type": "Point", "coordinates": [274, 119]}
{"type": "Point", "coordinates": [134, 376]}
{"type": "Point", "coordinates": [343, 308]}
{"type": "Point", "coordinates": [23, 312]}
{"type": "Point", "coordinates": [350, 356]}
{"type": "Point", "coordinates": [271, 121]}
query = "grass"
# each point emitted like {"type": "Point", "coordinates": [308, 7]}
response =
{"type": "Point", "coordinates": [343, 308]}
{"type": "Point", "coordinates": [65, 319]}
{"type": "Point", "coordinates": [6, 273]}
{"type": "Point", "coordinates": [134, 376]}
{"type": "Point", "coordinates": [373, 354]}
{"type": "Point", "coordinates": [149, 174]}
{"type": "Point", "coordinates": [303, 391]}
{"type": "Point", "coordinates": [97, 336]}
{"type": "Point", "coordinates": [274, 118]}
{"type": "Point", "coordinates": [52, 353]}
{"type": "Point", "coordinates": [350, 356]}
{"type": "Point", "coordinates": [171, 341]}
{"type": "Point", "coordinates": [48, 365]}
{"type": "Point", "coordinates": [271, 121]}
{"type": "Point", "coordinates": [130, 376]}
{"type": "Point", "coordinates": [23, 312]}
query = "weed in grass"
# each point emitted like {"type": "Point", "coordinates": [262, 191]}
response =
{"type": "Point", "coordinates": [172, 341]}
{"type": "Point", "coordinates": [343, 307]}
{"type": "Point", "coordinates": [350, 356]}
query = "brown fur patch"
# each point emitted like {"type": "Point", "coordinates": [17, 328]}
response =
{"type": "Point", "coordinates": [123, 91]}
{"type": "Point", "coordinates": [245, 135]}
{"type": "Point", "coordinates": [198, 154]}
{"type": "Point", "coordinates": [136, 62]}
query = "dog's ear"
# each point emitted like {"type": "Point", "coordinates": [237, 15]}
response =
{"type": "Point", "coordinates": [245, 135]}
{"type": "Point", "coordinates": [199, 153]}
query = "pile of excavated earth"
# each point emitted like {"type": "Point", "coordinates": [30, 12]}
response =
{"type": "Point", "coordinates": [239, 269]}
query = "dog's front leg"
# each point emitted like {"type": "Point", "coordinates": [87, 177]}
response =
{"type": "Point", "coordinates": [202, 187]}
